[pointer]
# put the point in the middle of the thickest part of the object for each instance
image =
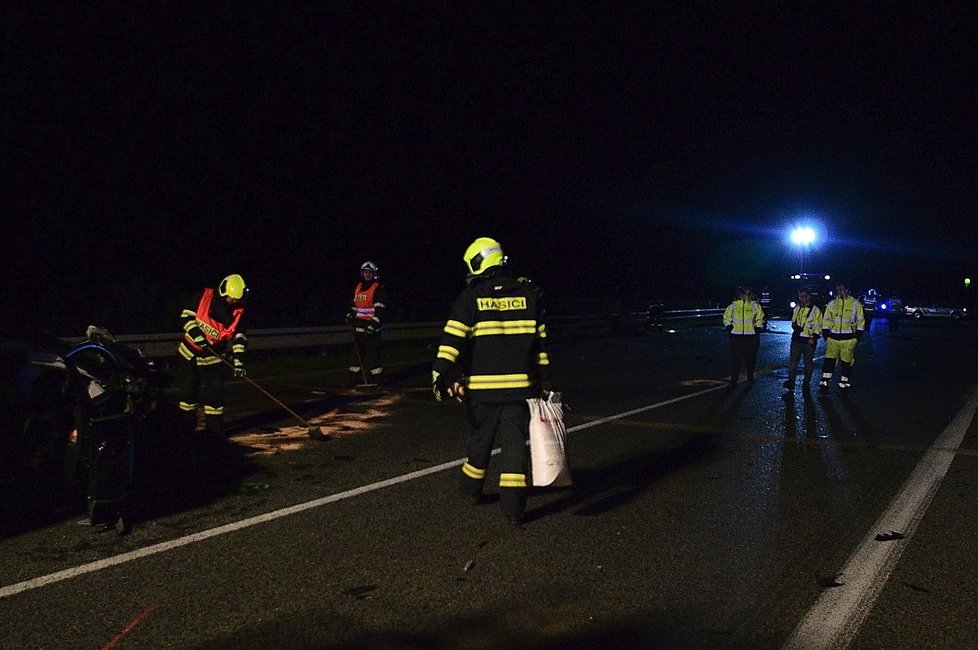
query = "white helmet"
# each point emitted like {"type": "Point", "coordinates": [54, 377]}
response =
{"type": "Point", "coordinates": [370, 266]}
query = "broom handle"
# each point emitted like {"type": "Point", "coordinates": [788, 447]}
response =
{"type": "Point", "coordinates": [265, 392]}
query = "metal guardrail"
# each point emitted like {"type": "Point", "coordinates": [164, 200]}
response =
{"type": "Point", "coordinates": [165, 345]}
{"type": "Point", "coordinates": [684, 314]}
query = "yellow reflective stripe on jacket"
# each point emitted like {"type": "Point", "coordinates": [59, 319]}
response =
{"type": "Point", "coordinates": [184, 351]}
{"type": "Point", "coordinates": [543, 359]}
{"type": "Point", "coordinates": [512, 480]}
{"type": "Point", "coordinates": [488, 382]}
{"type": "Point", "coordinates": [448, 353]}
{"type": "Point", "coordinates": [457, 328]}
{"type": "Point", "coordinates": [473, 472]}
{"type": "Point", "coordinates": [494, 327]}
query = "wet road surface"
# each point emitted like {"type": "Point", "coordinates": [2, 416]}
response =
{"type": "Point", "coordinates": [700, 517]}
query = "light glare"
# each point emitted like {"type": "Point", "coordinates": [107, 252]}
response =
{"type": "Point", "coordinates": [803, 236]}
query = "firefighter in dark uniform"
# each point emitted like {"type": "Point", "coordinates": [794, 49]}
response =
{"type": "Point", "coordinates": [212, 331]}
{"type": "Point", "coordinates": [493, 352]}
{"type": "Point", "coordinates": [367, 316]}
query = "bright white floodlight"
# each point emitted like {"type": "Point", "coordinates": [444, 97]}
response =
{"type": "Point", "coordinates": [803, 236]}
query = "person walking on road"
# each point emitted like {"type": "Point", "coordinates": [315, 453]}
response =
{"type": "Point", "coordinates": [744, 321]}
{"type": "Point", "coordinates": [367, 316]}
{"type": "Point", "coordinates": [493, 353]}
{"type": "Point", "coordinates": [843, 324]}
{"type": "Point", "coordinates": [213, 332]}
{"type": "Point", "coordinates": [806, 323]}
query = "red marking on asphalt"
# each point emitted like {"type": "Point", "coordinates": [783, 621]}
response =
{"type": "Point", "coordinates": [129, 628]}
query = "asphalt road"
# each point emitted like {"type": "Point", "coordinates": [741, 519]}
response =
{"type": "Point", "coordinates": [700, 517]}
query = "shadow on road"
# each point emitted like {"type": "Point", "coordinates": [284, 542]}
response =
{"type": "Point", "coordinates": [531, 626]}
{"type": "Point", "coordinates": [604, 488]}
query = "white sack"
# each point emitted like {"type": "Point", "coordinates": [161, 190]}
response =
{"type": "Point", "coordinates": [548, 436]}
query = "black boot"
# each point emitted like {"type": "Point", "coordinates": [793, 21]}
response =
{"type": "Point", "coordinates": [513, 503]}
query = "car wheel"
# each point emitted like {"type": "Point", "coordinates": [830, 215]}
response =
{"type": "Point", "coordinates": [956, 315]}
{"type": "Point", "coordinates": [918, 314]}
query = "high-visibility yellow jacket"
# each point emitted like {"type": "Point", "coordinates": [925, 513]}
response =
{"type": "Point", "coordinates": [746, 317]}
{"type": "Point", "coordinates": [806, 322]}
{"type": "Point", "coordinates": [843, 318]}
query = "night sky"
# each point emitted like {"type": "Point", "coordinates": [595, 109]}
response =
{"type": "Point", "coordinates": [619, 151]}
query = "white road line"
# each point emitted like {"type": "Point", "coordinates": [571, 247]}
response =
{"type": "Point", "coordinates": [837, 615]}
{"type": "Point", "coordinates": [91, 567]}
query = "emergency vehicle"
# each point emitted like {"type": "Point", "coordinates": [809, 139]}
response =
{"type": "Point", "coordinates": [785, 295]}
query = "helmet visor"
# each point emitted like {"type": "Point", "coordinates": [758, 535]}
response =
{"type": "Point", "coordinates": [493, 254]}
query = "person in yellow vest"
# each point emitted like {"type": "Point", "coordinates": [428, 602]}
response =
{"type": "Point", "coordinates": [213, 331]}
{"type": "Point", "coordinates": [843, 324]}
{"type": "Point", "coordinates": [806, 324]}
{"type": "Point", "coordinates": [744, 321]}
{"type": "Point", "coordinates": [367, 316]}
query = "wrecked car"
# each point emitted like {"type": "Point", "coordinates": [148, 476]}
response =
{"type": "Point", "coordinates": [71, 413]}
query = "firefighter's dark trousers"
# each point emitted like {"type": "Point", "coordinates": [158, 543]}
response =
{"type": "Point", "coordinates": [743, 351]}
{"type": "Point", "coordinates": [509, 422]}
{"type": "Point", "coordinates": [367, 350]}
{"type": "Point", "coordinates": [203, 386]}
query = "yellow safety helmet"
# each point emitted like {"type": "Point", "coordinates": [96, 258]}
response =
{"type": "Point", "coordinates": [483, 254]}
{"type": "Point", "coordinates": [233, 286]}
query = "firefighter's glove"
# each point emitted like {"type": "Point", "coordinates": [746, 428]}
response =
{"type": "Point", "coordinates": [200, 341]}
{"type": "Point", "coordinates": [372, 327]}
{"type": "Point", "coordinates": [349, 318]}
{"type": "Point", "coordinates": [438, 385]}
{"type": "Point", "coordinates": [729, 328]}
{"type": "Point", "coordinates": [442, 388]}
{"type": "Point", "coordinates": [545, 391]}
{"type": "Point", "coordinates": [239, 369]}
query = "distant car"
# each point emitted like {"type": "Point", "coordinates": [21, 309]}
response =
{"type": "Point", "coordinates": [890, 306]}
{"type": "Point", "coordinates": [933, 309]}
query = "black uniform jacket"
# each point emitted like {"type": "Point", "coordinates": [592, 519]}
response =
{"type": "Point", "coordinates": [495, 340]}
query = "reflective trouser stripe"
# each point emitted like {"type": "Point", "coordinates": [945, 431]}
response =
{"type": "Point", "coordinates": [208, 410]}
{"type": "Point", "coordinates": [512, 480]}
